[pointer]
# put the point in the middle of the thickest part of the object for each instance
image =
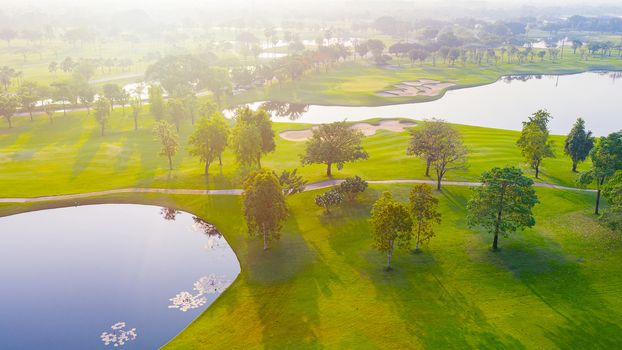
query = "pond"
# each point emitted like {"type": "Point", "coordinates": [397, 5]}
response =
{"type": "Point", "coordinates": [594, 96]}
{"type": "Point", "coordinates": [107, 276]}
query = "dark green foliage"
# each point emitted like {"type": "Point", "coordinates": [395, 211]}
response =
{"type": "Point", "coordinates": [352, 186]}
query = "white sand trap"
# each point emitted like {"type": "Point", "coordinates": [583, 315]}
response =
{"type": "Point", "coordinates": [420, 87]}
{"type": "Point", "coordinates": [366, 128]}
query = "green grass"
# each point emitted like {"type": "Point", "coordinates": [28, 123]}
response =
{"type": "Point", "coordinates": [323, 286]}
{"type": "Point", "coordinates": [69, 156]}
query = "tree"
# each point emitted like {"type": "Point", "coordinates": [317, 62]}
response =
{"type": "Point", "coordinates": [423, 140]}
{"type": "Point", "coordinates": [579, 143]}
{"type": "Point", "coordinates": [424, 213]}
{"type": "Point", "coordinates": [136, 106]}
{"type": "Point", "coordinates": [218, 81]}
{"type": "Point", "coordinates": [156, 101]}
{"type": "Point", "coordinates": [102, 112]}
{"type": "Point", "coordinates": [28, 94]}
{"type": "Point", "coordinates": [351, 186]}
{"type": "Point", "coordinates": [6, 74]}
{"type": "Point", "coordinates": [48, 108]}
{"type": "Point", "coordinates": [252, 135]}
{"type": "Point", "coordinates": [112, 93]}
{"type": "Point", "coordinates": [291, 182]}
{"type": "Point", "coordinates": [8, 106]}
{"type": "Point", "coordinates": [8, 35]}
{"type": "Point", "coordinates": [123, 98]}
{"type": "Point", "coordinates": [176, 111]}
{"type": "Point", "coordinates": [448, 151]}
{"type": "Point", "coordinates": [612, 191]}
{"type": "Point", "coordinates": [606, 159]}
{"type": "Point", "coordinates": [62, 91]}
{"type": "Point", "coordinates": [86, 94]}
{"type": "Point", "coordinates": [264, 206]}
{"type": "Point", "coordinates": [534, 140]}
{"type": "Point", "coordinates": [503, 203]}
{"type": "Point", "coordinates": [329, 199]}
{"type": "Point", "coordinates": [391, 222]}
{"type": "Point", "coordinates": [209, 139]}
{"type": "Point", "coordinates": [165, 133]}
{"type": "Point", "coordinates": [335, 143]}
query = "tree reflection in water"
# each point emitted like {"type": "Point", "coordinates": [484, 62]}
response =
{"type": "Point", "coordinates": [212, 284]}
{"type": "Point", "coordinates": [215, 239]}
{"type": "Point", "coordinates": [283, 109]}
{"type": "Point", "coordinates": [169, 213]}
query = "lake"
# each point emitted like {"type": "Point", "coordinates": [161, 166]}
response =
{"type": "Point", "coordinates": [107, 276]}
{"type": "Point", "coordinates": [594, 96]}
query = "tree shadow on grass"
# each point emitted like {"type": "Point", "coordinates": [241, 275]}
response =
{"type": "Point", "coordinates": [87, 151]}
{"type": "Point", "coordinates": [286, 282]}
{"type": "Point", "coordinates": [439, 318]}
{"type": "Point", "coordinates": [558, 280]}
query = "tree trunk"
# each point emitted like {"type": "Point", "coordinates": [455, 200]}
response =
{"type": "Point", "coordinates": [537, 169]}
{"type": "Point", "coordinates": [427, 167]}
{"type": "Point", "coordinates": [439, 178]}
{"type": "Point", "coordinates": [9, 120]}
{"type": "Point", "coordinates": [265, 238]}
{"type": "Point", "coordinates": [259, 160]}
{"type": "Point", "coordinates": [418, 234]}
{"type": "Point", "coordinates": [389, 256]}
{"type": "Point", "coordinates": [64, 109]}
{"type": "Point", "coordinates": [328, 169]}
{"type": "Point", "coordinates": [494, 242]}
{"type": "Point", "coordinates": [600, 183]}
{"type": "Point", "coordinates": [220, 159]}
{"type": "Point", "coordinates": [30, 112]}
{"type": "Point", "coordinates": [170, 162]}
{"type": "Point", "coordinates": [207, 168]}
{"type": "Point", "coordinates": [574, 166]}
{"type": "Point", "coordinates": [135, 123]}
{"type": "Point", "coordinates": [102, 129]}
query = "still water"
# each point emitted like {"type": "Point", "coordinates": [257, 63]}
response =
{"type": "Point", "coordinates": [107, 276]}
{"type": "Point", "coordinates": [594, 96]}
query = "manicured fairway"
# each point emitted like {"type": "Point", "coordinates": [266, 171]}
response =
{"type": "Point", "coordinates": [69, 156]}
{"type": "Point", "coordinates": [322, 286]}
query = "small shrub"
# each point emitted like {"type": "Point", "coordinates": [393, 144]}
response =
{"type": "Point", "coordinates": [329, 199]}
{"type": "Point", "coordinates": [352, 186]}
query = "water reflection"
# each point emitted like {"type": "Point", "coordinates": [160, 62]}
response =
{"type": "Point", "coordinates": [169, 214]}
{"type": "Point", "coordinates": [119, 335]}
{"type": "Point", "coordinates": [212, 284]}
{"type": "Point", "coordinates": [283, 109]}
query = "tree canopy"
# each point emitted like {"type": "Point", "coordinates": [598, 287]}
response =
{"type": "Point", "coordinates": [209, 139]}
{"type": "Point", "coordinates": [391, 222]}
{"type": "Point", "coordinates": [504, 202]}
{"type": "Point", "coordinates": [264, 206]}
{"type": "Point", "coordinates": [534, 140]}
{"type": "Point", "coordinates": [252, 135]}
{"type": "Point", "coordinates": [102, 112]}
{"type": "Point", "coordinates": [165, 133]}
{"type": "Point", "coordinates": [606, 159]}
{"type": "Point", "coordinates": [424, 213]}
{"type": "Point", "coordinates": [334, 143]}
{"type": "Point", "coordinates": [579, 143]}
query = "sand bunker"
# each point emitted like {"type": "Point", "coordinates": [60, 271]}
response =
{"type": "Point", "coordinates": [366, 128]}
{"type": "Point", "coordinates": [420, 87]}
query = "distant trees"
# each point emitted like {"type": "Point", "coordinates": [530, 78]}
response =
{"type": "Point", "coordinates": [165, 133]}
{"type": "Point", "coordinates": [503, 203]}
{"type": "Point", "coordinates": [252, 135]}
{"type": "Point", "coordinates": [328, 199]}
{"type": "Point", "coordinates": [391, 222]}
{"type": "Point", "coordinates": [218, 81]}
{"type": "Point", "coordinates": [156, 101]}
{"type": "Point", "coordinates": [6, 75]}
{"type": "Point", "coordinates": [8, 106]}
{"type": "Point", "coordinates": [136, 106]}
{"type": "Point", "coordinates": [534, 140]}
{"type": "Point", "coordinates": [424, 213]}
{"type": "Point", "coordinates": [579, 143]}
{"type": "Point", "coordinates": [264, 206]}
{"type": "Point", "coordinates": [176, 111]}
{"type": "Point", "coordinates": [29, 94]}
{"type": "Point", "coordinates": [102, 112]}
{"type": "Point", "coordinates": [606, 159]}
{"type": "Point", "coordinates": [335, 143]}
{"type": "Point", "coordinates": [209, 139]}
{"type": "Point", "coordinates": [112, 93]}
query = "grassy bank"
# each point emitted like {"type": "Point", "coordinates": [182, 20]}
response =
{"type": "Point", "coordinates": [357, 83]}
{"type": "Point", "coordinates": [69, 156]}
{"type": "Point", "coordinates": [322, 286]}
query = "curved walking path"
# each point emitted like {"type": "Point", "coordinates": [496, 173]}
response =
{"type": "Point", "coordinates": [237, 192]}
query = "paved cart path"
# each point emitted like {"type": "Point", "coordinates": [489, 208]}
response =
{"type": "Point", "coordinates": [237, 192]}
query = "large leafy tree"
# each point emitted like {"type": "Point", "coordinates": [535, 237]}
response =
{"type": "Point", "coordinates": [102, 112]}
{"type": "Point", "coordinates": [606, 159]}
{"type": "Point", "coordinates": [218, 81]}
{"type": "Point", "coordinates": [264, 206]}
{"type": "Point", "coordinates": [176, 71]}
{"type": "Point", "coordinates": [176, 111]}
{"type": "Point", "coordinates": [424, 212]}
{"type": "Point", "coordinates": [534, 140]}
{"type": "Point", "coordinates": [335, 143]}
{"type": "Point", "coordinates": [209, 139]}
{"type": "Point", "coordinates": [391, 222]}
{"type": "Point", "coordinates": [291, 182]}
{"type": "Point", "coordinates": [612, 191]}
{"type": "Point", "coordinates": [8, 106]}
{"type": "Point", "coordinates": [579, 143]}
{"type": "Point", "coordinates": [112, 92]}
{"type": "Point", "coordinates": [169, 140]}
{"type": "Point", "coordinates": [423, 140]}
{"type": "Point", "coordinates": [29, 94]}
{"type": "Point", "coordinates": [447, 152]}
{"type": "Point", "coordinates": [252, 135]}
{"type": "Point", "coordinates": [503, 203]}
